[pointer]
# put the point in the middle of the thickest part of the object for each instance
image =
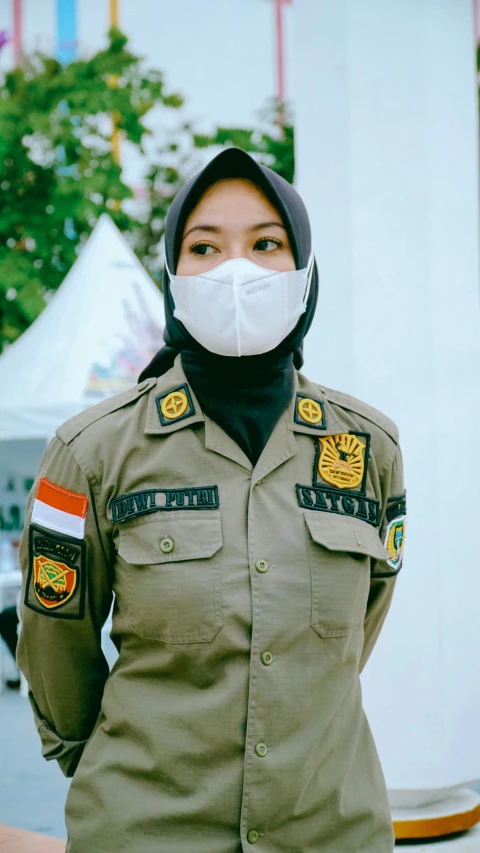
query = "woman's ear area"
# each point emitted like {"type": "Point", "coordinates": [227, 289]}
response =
{"type": "Point", "coordinates": [234, 219]}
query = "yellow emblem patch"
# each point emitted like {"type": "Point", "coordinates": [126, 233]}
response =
{"type": "Point", "coordinates": [395, 542]}
{"type": "Point", "coordinates": [174, 405]}
{"type": "Point", "coordinates": [309, 410]}
{"type": "Point", "coordinates": [54, 582]}
{"type": "Point", "coordinates": [342, 460]}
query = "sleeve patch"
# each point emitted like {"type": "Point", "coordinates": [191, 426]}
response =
{"type": "Point", "coordinates": [59, 509]}
{"type": "Point", "coordinates": [56, 574]}
{"type": "Point", "coordinates": [395, 542]}
{"type": "Point", "coordinates": [396, 507]}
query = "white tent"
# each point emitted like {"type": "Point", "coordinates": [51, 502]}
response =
{"type": "Point", "coordinates": [91, 341]}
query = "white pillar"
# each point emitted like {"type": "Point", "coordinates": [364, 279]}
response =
{"type": "Point", "coordinates": [387, 162]}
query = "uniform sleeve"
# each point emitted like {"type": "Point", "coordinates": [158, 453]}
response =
{"type": "Point", "coordinates": [384, 573]}
{"type": "Point", "coordinates": [66, 598]}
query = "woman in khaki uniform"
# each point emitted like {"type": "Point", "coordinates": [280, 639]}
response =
{"type": "Point", "coordinates": [250, 523]}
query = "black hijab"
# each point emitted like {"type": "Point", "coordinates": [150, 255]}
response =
{"type": "Point", "coordinates": [245, 395]}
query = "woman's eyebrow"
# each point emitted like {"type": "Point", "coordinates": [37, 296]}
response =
{"type": "Point", "coordinates": [262, 225]}
{"type": "Point", "coordinates": [211, 228]}
{"type": "Point", "coordinates": [215, 229]}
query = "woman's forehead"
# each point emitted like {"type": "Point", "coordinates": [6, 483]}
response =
{"type": "Point", "coordinates": [233, 198]}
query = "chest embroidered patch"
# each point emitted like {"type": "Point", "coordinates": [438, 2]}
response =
{"type": "Point", "coordinates": [163, 500]}
{"type": "Point", "coordinates": [340, 477]}
{"type": "Point", "coordinates": [341, 461]}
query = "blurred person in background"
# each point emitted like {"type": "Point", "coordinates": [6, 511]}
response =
{"type": "Point", "coordinates": [8, 632]}
{"type": "Point", "coordinates": [250, 523]}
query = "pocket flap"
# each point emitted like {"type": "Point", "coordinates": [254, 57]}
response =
{"type": "Point", "coordinates": [341, 533]}
{"type": "Point", "coordinates": [193, 538]}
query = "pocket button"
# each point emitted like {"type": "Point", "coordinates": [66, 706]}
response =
{"type": "Point", "coordinates": [167, 545]}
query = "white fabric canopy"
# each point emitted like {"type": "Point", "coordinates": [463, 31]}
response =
{"type": "Point", "coordinates": [91, 341]}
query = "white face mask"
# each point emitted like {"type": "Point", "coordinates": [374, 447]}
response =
{"type": "Point", "coordinates": [240, 308]}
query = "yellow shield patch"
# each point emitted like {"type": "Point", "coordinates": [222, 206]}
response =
{"type": "Point", "coordinates": [395, 542]}
{"type": "Point", "coordinates": [54, 582]}
{"type": "Point", "coordinates": [342, 460]}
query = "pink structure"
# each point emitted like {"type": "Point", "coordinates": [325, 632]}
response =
{"type": "Point", "coordinates": [280, 58]}
{"type": "Point", "coordinates": [17, 16]}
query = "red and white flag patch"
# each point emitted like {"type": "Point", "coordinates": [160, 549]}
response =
{"type": "Point", "coordinates": [59, 509]}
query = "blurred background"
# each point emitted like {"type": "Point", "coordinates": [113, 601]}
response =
{"type": "Point", "coordinates": [106, 109]}
{"type": "Point", "coordinates": [371, 107]}
{"type": "Point", "coordinates": [116, 123]}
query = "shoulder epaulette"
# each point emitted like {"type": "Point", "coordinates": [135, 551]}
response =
{"type": "Point", "coordinates": [345, 401]}
{"type": "Point", "coordinates": [74, 426]}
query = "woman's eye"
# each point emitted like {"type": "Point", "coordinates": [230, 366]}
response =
{"type": "Point", "coordinates": [202, 249]}
{"type": "Point", "coordinates": [266, 245]}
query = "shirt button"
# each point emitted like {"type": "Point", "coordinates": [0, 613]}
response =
{"type": "Point", "coordinates": [143, 385]}
{"type": "Point", "coordinates": [261, 749]}
{"type": "Point", "coordinates": [261, 566]}
{"type": "Point", "coordinates": [252, 836]}
{"type": "Point", "coordinates": [266, 658]}
{"type": "Point", "coordinates": [167, 545]}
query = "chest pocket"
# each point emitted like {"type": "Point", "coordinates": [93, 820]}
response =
{"type": "Point", "coordinates": [341, 549]}
{"type": "Point", "coordinates": [173, 576]}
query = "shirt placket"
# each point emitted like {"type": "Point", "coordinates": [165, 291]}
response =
{"type": "Point", "coordinates": [262, 655]}
{"type": "Point", "coordinates": [256, 748]}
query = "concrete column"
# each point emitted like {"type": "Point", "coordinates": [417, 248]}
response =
{"type": "Point", "coordinates": [387, 162]}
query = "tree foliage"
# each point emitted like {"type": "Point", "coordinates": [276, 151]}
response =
{"type": "Point", "coordinates": [171, 165]}
{"type": "Point", "coordinates": [58, 172]}
{"type": "Point", "coordinates": [274, 144]}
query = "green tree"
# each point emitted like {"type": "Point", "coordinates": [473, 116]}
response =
{"type": "Point", "coordinates": [273, 142]}
{"type": "Point", "coordinates": [170, 166]}
{"type": "Point", "coordinates": [58, 171]}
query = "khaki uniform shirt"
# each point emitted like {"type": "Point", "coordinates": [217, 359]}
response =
{"type": "Point", "coordinates": [246, 603]}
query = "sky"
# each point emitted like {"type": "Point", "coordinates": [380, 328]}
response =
{"type": "Point", "coordinates": [218, 53]}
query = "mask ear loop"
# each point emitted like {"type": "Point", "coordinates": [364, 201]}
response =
{"type": "Point", "coordinates": [310, 264]}
{"type": "Point", "coordinates": [168, 271]}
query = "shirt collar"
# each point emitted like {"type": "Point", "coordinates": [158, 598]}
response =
{"type": "Point", "coordinates": [172, 405]}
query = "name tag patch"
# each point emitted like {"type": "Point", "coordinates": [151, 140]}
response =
{"type": "Point", "coordinates": [327, 500]}
{"type": "Point", "coordinates": [164, 500]}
